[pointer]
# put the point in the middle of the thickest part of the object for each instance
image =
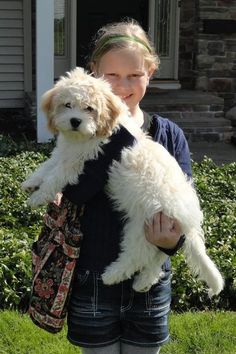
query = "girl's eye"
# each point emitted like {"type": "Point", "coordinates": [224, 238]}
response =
{"type": "Point", "coordinates": [135, 75]}
{"type": "Point", "coordinates": [89, 109]}
{"type": "Point", "coordinates": [68, 105]}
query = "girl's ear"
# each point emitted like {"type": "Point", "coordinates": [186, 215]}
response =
{"type": "Point", "coordinates": [47, 108]}
{"type": "Point", "coordinates": [93, 68]}
{"type": "Point", "coordinates": [151, 71]}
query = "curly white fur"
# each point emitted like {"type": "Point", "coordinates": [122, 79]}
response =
{"type": "Point", "coordinates": [84, 113]}
{"type": "Point", "coordinates": [148, 180]}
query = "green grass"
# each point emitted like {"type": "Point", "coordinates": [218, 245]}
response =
{"type": "Point", "coordinates": [192, 333]}
{"type": "Point", "coordinates": [18, 335]}
{"type": "Point", "coordinates": [202, 333]}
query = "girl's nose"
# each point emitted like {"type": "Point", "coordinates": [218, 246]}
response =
{"type": "Point", "coordinates": [123, 82]}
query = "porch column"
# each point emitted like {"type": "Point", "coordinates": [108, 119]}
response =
{"type": "Point", "coordinates": [44, 60]}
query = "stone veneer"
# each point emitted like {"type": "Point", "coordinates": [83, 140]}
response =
{"type": "Point", "coordinates": [208, 60]}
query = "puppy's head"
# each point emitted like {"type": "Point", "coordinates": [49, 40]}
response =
{"type": "Point", "coordinates": [83, 105]}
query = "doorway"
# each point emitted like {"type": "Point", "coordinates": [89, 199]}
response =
{"type": "Point", "coordinates": [77, 21]}
{"type": "Point", "coordinates": [93, 14]}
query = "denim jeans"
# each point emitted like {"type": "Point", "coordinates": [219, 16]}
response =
{"type": "Point", "coordinates": [100, 315]}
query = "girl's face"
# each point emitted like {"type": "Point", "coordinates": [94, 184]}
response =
{"type": "Point", "coordinates": [127, 74]}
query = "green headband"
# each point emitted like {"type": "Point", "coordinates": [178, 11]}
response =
{"type": "Point", "coordinates": [117, 38]}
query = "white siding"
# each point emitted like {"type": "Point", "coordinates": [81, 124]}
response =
{"type": "Point", "coordinates": [11, 54]}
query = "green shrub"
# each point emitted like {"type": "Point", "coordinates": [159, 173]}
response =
{"type": "Point", "coordinates": [15, 268]}
{"type": "Point", "coordinates": [10, 147]}
{"type": "Point", "coordinates": [14, 211]}
{"type": "Point", "coordinates": [216, 187]}
{"type": "Point", "coordinates": [19, 226]}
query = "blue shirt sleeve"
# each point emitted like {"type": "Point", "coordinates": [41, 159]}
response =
{"type": "Point", "coordinates": [182, 153]}
{"type": "Point", "coordinates": [171, 136]}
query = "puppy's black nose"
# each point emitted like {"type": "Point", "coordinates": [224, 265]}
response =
{"type": "Point", "coordinates": [75, 122]}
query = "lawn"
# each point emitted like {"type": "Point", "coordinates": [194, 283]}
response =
{"type": "Point", "coordinates": [192, 333]}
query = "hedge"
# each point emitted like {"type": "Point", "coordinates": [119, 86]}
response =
{"type": "Point", "coordinates": [20, 225]}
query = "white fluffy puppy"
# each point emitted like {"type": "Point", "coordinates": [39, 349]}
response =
{"type": "Point", "coordinates": [84, 112]}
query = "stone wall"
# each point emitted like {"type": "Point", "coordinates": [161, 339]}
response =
{"type": "Point", "coordinates": [215, 46]}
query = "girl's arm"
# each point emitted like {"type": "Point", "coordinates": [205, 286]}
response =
{"type": "Point", "coordinates": [164, 232]}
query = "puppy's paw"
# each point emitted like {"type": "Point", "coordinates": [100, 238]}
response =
{"type": "Point", "coordinates": [31, 186]}
{"type": "Point", "coordinates": [108, 278]}
{"type": "Point", "coordinates": [143, 283]}
{"type": "Point", "coordinates": [111, 276]}
{"type": "Point", "coordinates": [37, 199]}
{"type": "Point", "coordinates": [215, 290]}
{"type": "Point", "coordinates": [140, 286]}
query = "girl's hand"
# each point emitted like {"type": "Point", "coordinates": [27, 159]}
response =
{"type": "Point", "coordinates": [163, 231]}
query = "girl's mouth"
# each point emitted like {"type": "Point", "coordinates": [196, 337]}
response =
{"type": "Point", "coordinates": [124, 98]}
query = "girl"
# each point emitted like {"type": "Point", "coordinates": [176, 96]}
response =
{"type": "Point", "coordinates": [116, 319]}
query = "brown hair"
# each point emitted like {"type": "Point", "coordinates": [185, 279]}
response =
{"type": "Point", "coordinates": [124, 35]}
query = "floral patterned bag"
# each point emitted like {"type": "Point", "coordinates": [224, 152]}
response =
{"type": "Point", "coordinates": [54, 257]}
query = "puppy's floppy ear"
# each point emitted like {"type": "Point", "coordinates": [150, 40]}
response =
{"type": "Point", "coordinates": [112, 107]}
{"type": "Point", "coordinates": [47, 108]}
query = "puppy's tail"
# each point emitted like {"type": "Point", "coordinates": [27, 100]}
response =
{"type": "Point", "coordinates": [201, 264]}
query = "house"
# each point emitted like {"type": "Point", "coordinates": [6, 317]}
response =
{"type": "Point", "coordinates": [196, 41]}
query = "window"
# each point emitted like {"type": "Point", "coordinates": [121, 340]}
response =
{"type": "Point", "coordinates": [59, 28]}
{"type": "Point", "coordinates": [162, 20]}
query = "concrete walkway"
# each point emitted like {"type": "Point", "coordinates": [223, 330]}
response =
{"type": "Point", "coordinates": [219, 152]}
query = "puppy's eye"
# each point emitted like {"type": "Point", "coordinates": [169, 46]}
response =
{"type": "Point", "coordinates": [89, 109]}
{"type": "Point", "coordinates": [68, 105]}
